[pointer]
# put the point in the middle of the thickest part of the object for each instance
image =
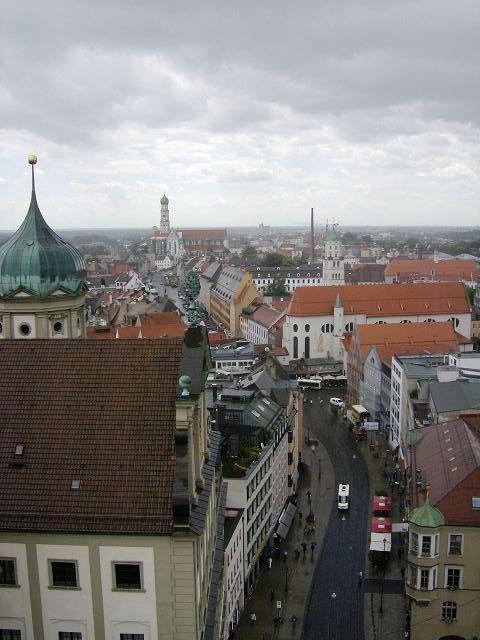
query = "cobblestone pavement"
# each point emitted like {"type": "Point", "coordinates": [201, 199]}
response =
{"type": "Point", "coordinates": [288, 582]}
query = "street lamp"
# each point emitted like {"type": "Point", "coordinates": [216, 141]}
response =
{"type": "Point", "coordinates": [286, 577]}
{"type": "Point", "coordinates": [310, 512]}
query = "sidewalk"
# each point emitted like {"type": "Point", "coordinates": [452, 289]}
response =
{"type": "Point", "coordinates": [390, 625]}
{"type": "Point", "coordinates": [293, 574]}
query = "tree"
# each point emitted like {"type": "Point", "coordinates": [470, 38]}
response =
{"type": "Point", "coordinates": [273, 260]}
{"type": "Point", "coordinates": [470, 294]}
{"type": "Point", "coordinates": [349, 238]}
{"type": "Point", "coordinates": [276, 288]}
{"type": "Point", "coordinates": [250, 255]}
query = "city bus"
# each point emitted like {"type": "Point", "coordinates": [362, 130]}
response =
{"type": "Point", "coordinates": [307, 383]}
{"type": "Point", "coordinates": [359, 414]}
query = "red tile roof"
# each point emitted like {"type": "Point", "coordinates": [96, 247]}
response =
{"type": "Point", "coordinates": [265, 316]}
{"type": "Point", "coordinates": [448, 456]}
{"type": "Point", "coordinates": [127, 332]}
{"type": "Point", "coordinates": [442, 270]}
{"type": "Point", "coordinates": [376, 300]}
{"type": "Point", "coordinates": [201, 234]}
{"type": "Point", "coordinates": [168, 323]}
{"type": "Point", "coordinates": [402, 339]}
{"type": "Point", "coordinates": [101, 413]}
{"type": "Point", "coordinates": [100, 333]}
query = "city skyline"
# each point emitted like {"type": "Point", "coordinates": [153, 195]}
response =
{"type": "Point", "coordinates": [368, 113]}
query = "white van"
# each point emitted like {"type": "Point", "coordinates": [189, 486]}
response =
{"type": "Point", "coordinates": [343, 498]}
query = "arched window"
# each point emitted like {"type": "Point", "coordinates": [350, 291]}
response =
{"type": "Point", "coordinates": [405, 322]}
{"type": "Point", "coordinates": [429, 320]}
{"type": "Point", "coordinates": [295, 348]}
{"type": "Point", "coordinates": [327, 327]}
{"type": "Point", "coordinates": [295, 328]}
{"type": "Point", "coordinates": [455, 322]}
{"type": "Point", "coordinates": [349, 326]}
{"type": "Point", "coordinates": [381, 322]}
{"type": "Point", "coordinates": [307, 328]}
{"type": "Point", "coordinates": [307, 347]}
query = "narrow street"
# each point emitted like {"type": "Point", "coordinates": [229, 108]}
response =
{"type": "Point", "coordinates": [334, 609]}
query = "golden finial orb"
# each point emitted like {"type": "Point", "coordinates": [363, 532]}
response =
{"type": "Point", "coordinates": [32, 159]}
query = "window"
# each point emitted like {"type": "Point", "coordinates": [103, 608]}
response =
{"type": "Point", "coordinates": [424, 578]}
{"type": "Point", "coordinates": [24, 329]}
{"type": "Point", "coordinates": [63, 573]}
{"type": "Point", "coordinates": [453, 578]}
{"type": "Point", "coordinates": [57, 327]}
{"type": "Point", "coordinates": [131, 636]}
{"type": "Point", "coordinates": [295, 348]}
{"type": "Point", "coordinates": [426, 546]}
{"type": "Point", "coordinates": [327, 328]}
{"type": "Point", "coordinates": [69, 635]}
{"type": "Point", "coordinates": [455, 544]}
{"type": "Point", "coordinates": [10, 634]}
{"type": "Point", "coordinates": [414, 543]}
{"type": "Point", "coordinates": [307, 347]}
{"type": "Point", "coordinates": [449, 610]}
{"type": "Point", "coordinates": [7, 572]}
{"type": "Point", "coordinates": [127, 575]}
{"type": "Point", "coordinates": [295, 327]}
{"type": "Point", "coordinates": [349, 326]}
{"type": "Point", "coordinates": [307, 328]}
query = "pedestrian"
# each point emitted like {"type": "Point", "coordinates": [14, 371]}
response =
{"type": "Point", "coordinates": [294, 620]}
{"type": "Point", "coordinates": [312, 547]}
{"type": "Point", "coordinates": [297, 553]}
{"type": "Point", "coordinates": [253, 619]}
{"type": "Point", "coordinates": [277, 551]}
{"type": "Point", "coordinates": [305, 531]}
{"type": "Point", "coordinates": [285, 555]}
{"type": "Point", "coordinates": [270, 563]}
{"type": "Point", "coordinates": [300, 515]}
{"type": "Point", "coordinates": [360, 577]}
{"type": "Point", "coordinates": [399, 553]}
{"type": "Point", "coordinates": [272, 595]}
{"type": "Point", "coordinates": [402, 570]}
{"type": "Point", "coordinates": [304, 547]}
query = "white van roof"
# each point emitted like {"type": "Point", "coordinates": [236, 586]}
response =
{"type": "Point", "coordinates": [343, 489]}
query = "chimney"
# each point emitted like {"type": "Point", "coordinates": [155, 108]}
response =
{"type": "Point", "coordinates": [312, 238]}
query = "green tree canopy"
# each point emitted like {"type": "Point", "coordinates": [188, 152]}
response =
{"type": "Point", "coordinates": [250, 255]}
{"type": "Point", "coordinates": [276, 288]}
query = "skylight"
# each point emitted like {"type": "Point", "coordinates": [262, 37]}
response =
{"type": "Point", "coordinates": [19, 450]}
{"type": "Point", "coordinates": [75, 484]}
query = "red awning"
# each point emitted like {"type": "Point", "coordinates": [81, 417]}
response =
{"type": "Point", "coordinates": [381, 525]}
{"type": "Point", "coordinates": [382, 503]}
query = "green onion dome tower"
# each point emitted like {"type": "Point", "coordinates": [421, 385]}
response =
{"type": "Point", "coordinates": [42, 281]}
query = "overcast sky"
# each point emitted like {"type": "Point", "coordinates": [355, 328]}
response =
{"type": "Point", "coordinates": [242, 112]}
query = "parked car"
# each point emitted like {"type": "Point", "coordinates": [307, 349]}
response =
{"type": "Point", "coordinates": [337, 402]}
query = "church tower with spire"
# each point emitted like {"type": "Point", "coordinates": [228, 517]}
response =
{"type": "Point", "coordinates": [164, 215]}
{"type": "Point", "coordinates": [42, 281]}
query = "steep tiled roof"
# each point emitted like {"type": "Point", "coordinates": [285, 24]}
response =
{"type": "Point", "coordinates": [404, 339]}
{"type": "Point", "coordinates": [127, 332]}
{"type": "Point", "coordinates": [166, 323]}
{"type": "Point", "coordinates": [100, 413]}
{"type": "Point", "coordinates": [377, 300]}
{"type": "Point", "coordinates": [204, 234]}
{"type": "Point", "coordinates": [441, 270]}
{"type": "Point", "coordinates": [448, 456]}
{"type": "Point", "coordinates": [265, 316]}
{"type": "Point", "coordinates": [100, 333]}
